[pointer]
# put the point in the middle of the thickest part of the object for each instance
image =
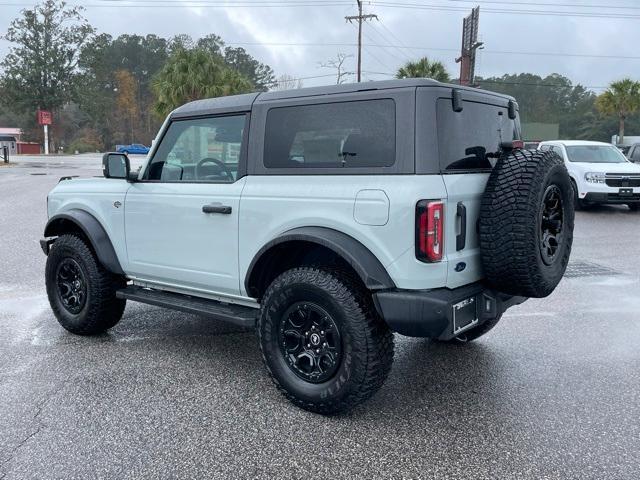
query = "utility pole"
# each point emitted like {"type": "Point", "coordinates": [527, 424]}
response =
{"type": "Point", "coordinates": [360, 18]}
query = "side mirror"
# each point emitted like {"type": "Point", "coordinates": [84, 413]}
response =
{"type": "Point", "coordinates": [115, 165]}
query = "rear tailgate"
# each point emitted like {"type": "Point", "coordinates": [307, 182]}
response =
{"type": "Point", "coordinates": [468, 141]}
{"type": "Point", "coordinates": [462, 247]}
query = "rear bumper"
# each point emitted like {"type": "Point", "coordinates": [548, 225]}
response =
{"type": "Point", "coordinates": [429, 313]}
{"type": "Point", "coordinates": [602, 197]}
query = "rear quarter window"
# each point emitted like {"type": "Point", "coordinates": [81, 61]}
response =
{"type": "Point", "coordinates": [470, 139]}
{"type": "Point", "coordinates": [341, 135]}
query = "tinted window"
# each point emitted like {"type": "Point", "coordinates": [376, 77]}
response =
{"type": "Point", "coordinates": [334, 135]}
{"type": "Point", "coordinates": [635, 156]}
{"type": "Point", "coordinates": [555, 149]}
{"type": "Point", "coordinates": [470, 139]}
{"type": "Point", "coordinates": [595, 154]}
{"type": "Point", "coordinates": [199, 150]}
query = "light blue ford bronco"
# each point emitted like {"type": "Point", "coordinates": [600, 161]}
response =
{"type": "Point", "coordinates": [327, 218]}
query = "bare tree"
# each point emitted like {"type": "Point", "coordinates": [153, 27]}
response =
{"type": "Point", "coordinates": [338, 65]}
{"type": "Point", "coordinates": [287, 82]}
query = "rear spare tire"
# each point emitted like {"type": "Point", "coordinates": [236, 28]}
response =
{"type": "Point", "coordinates": [526, 223]}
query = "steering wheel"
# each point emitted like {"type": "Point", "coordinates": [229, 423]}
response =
{"type": "Point", "coordinates": [223, 168]}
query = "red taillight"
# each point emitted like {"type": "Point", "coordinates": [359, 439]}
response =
{"type": "Point", "coordinates": [517, 144]}
{"type": "Point", "coordinates": [429, 230]}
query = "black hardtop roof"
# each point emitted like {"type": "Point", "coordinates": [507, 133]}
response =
{"type": "Point", "coordinates": [245, 101]}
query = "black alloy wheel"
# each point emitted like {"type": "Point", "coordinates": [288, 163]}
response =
{"type": "Point", "coordinates": [322, 340]}
{"type": "Point", "coordinates": [81, 292]}
{"type": "Point", "coordinates": [551, 224]}
{"type": "Point", "coordinates": [71, 285]}
{"type": "Point", "coordinates": [310, 342]}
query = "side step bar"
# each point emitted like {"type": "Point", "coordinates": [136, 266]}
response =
{"type": "Point", "coordinates": [236, 314]}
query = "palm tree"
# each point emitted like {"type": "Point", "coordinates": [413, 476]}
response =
{"type": "Point", "coordinates": [622, 98]}
{"type": "Point", "coordinates": [194, 74]}
{"type": "Point", "coordinates": [424, 68]}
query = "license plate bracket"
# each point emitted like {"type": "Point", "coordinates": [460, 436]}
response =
{"type": "Point", "coordinates": [465, 315]}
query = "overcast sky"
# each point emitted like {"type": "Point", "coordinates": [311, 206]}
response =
{"type": "Point", "coordinates": [316, 28]}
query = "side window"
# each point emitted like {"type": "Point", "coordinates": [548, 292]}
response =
{"type": "Point", "coordinates": [470, 139]}
{"type": "Point", "coordinates": [332, 135]}
{"type": "Point", "coordinates": [199, 150]}
{"type": "Point", "coordinates": [635, 155]}
{"type": "Point", "coordinates": [557, 150]}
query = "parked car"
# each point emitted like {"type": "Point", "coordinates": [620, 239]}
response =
{"type": "Point", "coordinates": [623, 148]}
{"type": "Point", "coordinates": [134, 149]}
{"type": "Point", "coordinates": [633, 154]}
{"type": "Point", "coordinates": [342, 215]}
{"type": "Point", "coordinates": [600, 173]}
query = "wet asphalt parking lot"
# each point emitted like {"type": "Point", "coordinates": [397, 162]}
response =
{"type": "Point", "coordinates": [553, 392]}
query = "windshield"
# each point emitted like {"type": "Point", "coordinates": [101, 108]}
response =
{"type": "Point", "coordinates": [595, 154]}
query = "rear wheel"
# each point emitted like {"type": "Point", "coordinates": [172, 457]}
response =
{"type": "Point", "coordinates": [323, 343]}
{"type": "Point", "coordinates": [82, 293]}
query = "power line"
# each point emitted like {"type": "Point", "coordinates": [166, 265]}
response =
{"type": "Point", "coordinates": [552, 13]}
{"type": "Point", "coordinates": [394, 36]}
{"type": "Point", "coordinates": [333, 3]}
{"type": "Point", "coordinates": [538, 4]}
{"type": "Point", "coordinates": [183, 4]}
{"type": "Point", "coordinates": [384, 38]}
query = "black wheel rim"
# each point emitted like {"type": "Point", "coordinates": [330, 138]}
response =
{"type": "Point", "coordinates": [71, 285]}
{"type": "Point", "coordinates": [551, 224]}
{"type": "Point", "coordinates": [310, 342]}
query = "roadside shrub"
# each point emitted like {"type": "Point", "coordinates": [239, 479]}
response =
{"type": "Point", "coordinates": [86, 141]}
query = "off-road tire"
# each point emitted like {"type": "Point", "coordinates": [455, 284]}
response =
{"type": "Point", "coordinates": [578, 204]}
{"type": "Point", "coordinates": [511, 223]}
{"type": "Point", "coordinates": [101, 310]}
{"type": "Point", "coordinates": [472, 334]}
{"type": "Point", "coordinates": [634, 207]}
{"type": "Point", "coordinates": [367, 342]}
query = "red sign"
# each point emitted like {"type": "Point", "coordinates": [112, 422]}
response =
{"type": "Point", "coordinates": [44, 117]}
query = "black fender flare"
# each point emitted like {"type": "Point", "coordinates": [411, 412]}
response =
{"type": "Point", "coordinates": [366, 264]}
{"type": "Point", "coordinates": [92, 229]}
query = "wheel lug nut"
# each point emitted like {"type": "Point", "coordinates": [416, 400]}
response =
{"type": "Point", "coordinates": [322, 332]}
{"type": "Point", "coordinates": [308, 345]}
{"type": "Point", "coordinates": [324, 344]}
{"type": "Point", "coordinates": [318, 351]}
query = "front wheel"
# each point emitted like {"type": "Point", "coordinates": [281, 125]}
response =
{"type": "Point", "coordinates": [323, 343]}
{"type": "Point", "coordinates": [82, 293]}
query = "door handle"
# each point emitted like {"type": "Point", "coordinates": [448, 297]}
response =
{"type": "Point", "coordinates": [216, 208]}
{"type": "Point", "coordinates": [461, 238]}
